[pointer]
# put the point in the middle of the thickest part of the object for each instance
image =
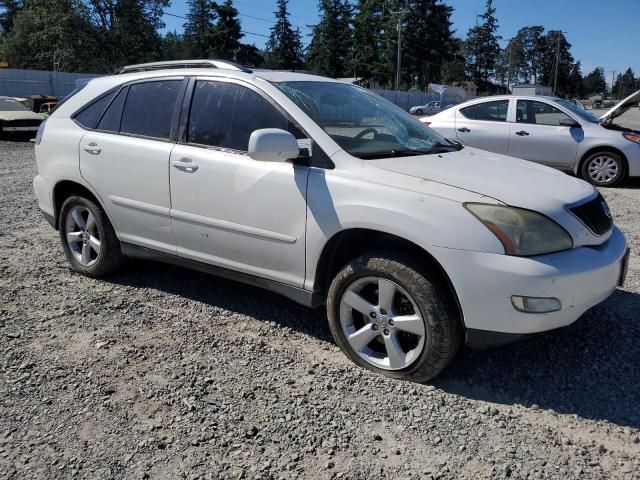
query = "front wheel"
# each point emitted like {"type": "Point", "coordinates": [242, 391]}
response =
{"type": "Point", "coordinates": [419, 111]}
{"type": "Point", "coordinates": [88, 239]}
{"type": "Point", "coordinates": [603, 169]}
{"type": "Point", "coordinates": [389, 316]}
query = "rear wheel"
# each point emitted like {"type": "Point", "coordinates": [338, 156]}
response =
{"type": "Point", "coordinates": [88, 239]}
{"type": "Point", "coordinates": [603, 169]}
{"type": "Point", "coordinates": [389, 316]}
{"type": "Point", "coordinates": [419, 111]}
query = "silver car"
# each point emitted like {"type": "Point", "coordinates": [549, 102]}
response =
{"type": "Point", "coordinates": [427, 109]}
{"type": "Point", "coordinates": [548, 130]}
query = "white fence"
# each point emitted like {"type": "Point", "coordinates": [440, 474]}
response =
{"type": "Point", "coordinates": [23, 83]}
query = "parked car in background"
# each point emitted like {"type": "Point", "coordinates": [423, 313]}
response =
{"type": "Point", "coordinates": [16, 119]}
{"type": "Point", "coordinates": [547, 130]}
{"type": "Point", "coordinates": [578, 103]}
{"type": "Point", "coordinates": [427, 109]}
{"type": "Point", "coordinates": [596, 104]}
{"type": "Point", "coordinates": [47, 108]}
{"type": "Point", "coordinates": [326, 193]}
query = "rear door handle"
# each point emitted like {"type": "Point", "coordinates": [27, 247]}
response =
{"type": "Point", "coordinates": [185, 165]}
{"type": "Point", "coordinates": [464, 129]}
{"type": "Point", "coordinates": [522, 133]}
{"type": "Point", "coordinates": [92, 148]}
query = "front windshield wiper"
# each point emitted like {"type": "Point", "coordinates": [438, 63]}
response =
{"type": "Point", "coordinates": [443, 148]}
{"type": "Point", "coordinates": [389, 153]}
{"type": "Point", "coordinates": [436, 148]}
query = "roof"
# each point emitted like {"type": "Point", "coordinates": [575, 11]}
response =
{"type": "Point", "coordinates": [218, 66]}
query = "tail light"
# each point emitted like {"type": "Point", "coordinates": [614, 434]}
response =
{"type": "Point", "coordinates": [425, 122]}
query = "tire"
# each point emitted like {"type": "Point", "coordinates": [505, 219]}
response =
{"type": "Point", "coordinates": [101, 258]}
{"type": "Point", "coordinates": [417, 294]}
{"type": "Point", "coordinates": [603, 169]}
{"type": "Point", "coordinates": [419, 111]}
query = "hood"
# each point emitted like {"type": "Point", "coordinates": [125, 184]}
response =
{"type": "Point", "coordinates": [509, 180]}
{"type": "Point", "coordinates": [19, 115]}
{"type": "Point", "coordinates": [621, 107]}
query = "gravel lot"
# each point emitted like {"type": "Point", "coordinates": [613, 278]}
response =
{"type": "Point", "coordinates": [160, 372]}
{"type": "Point", "coordinates": [630, 119]}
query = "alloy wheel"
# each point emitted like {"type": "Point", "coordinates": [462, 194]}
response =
{"type": "Point", "coordinates": [83, 236]}
{"type": "Point", "coordinates": [382, 323]}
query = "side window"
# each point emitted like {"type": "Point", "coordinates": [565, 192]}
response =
{"type": "Point", "coordinates": [225, 115]}
{"type": "Point", "coordinates": [469, 112]}
{"type": "Point", "coordinates": [539, 113]}
{"type": "Point", "coordinates": [149, 108]}
{"type": "Point", "coordinates": [211, 114]}
{"type": "Point", "coordinates": [492, 111]}
{"type": "Point", "coordinates": [110, 121]}
{"type": "Point", "coordinates": [88, 116]}
{"type": "Point", "coordinates": [253, 112]}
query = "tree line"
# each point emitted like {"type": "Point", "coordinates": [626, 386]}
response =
{"type": "Point", "coordinates": [353, 38]}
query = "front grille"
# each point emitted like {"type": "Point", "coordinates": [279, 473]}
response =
{"type": "Point", "coordinates": [23, 123]}
{"type": "Point", "coordinates": [595, 215]}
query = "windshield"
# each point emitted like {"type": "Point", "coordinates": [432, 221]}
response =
{"type": "Point", "coordinates": [363, 124]}
{"type": "Point", "coordinates": [588, 116]}
{"type": "Point", "coordinates": [10, 105]}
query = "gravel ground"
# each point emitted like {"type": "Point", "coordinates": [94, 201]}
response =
{"type": "Point", "coordinates": [160, 372]}
{"type": "Point", "coordinates": [630, 119]}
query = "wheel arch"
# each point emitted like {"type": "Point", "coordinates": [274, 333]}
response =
{"type": "Point", "coordinates": [601, 148]}
{"type": "Point", "coordinates": [349, 244]}
{"type": "Point", "coordinates": [67, 188]}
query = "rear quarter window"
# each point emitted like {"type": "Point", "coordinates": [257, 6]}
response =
{"type": "Point", "coordinates": [110, 121]}
{"type": "Point", "coordinates": [89, 115]}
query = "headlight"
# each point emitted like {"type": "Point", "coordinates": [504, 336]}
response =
{"type": "Point", "coordinates": [522, 232]}
{"type": "Point", "coordinates": [632, 137]}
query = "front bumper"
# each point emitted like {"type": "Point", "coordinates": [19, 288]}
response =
{"type": "Point", "coordinates": [484, 282]}
{"type": "Point", "coordinates": [632, 152]}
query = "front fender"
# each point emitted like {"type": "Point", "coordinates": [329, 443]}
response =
{"type": "Point", "coordinates": [336, 203]}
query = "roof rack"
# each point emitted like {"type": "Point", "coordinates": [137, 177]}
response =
{"type": "Point", "coordinates": [222, 64]}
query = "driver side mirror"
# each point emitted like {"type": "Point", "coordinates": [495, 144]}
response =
{"type": "Point", "coordinates": [569, 122]}
{"type": "Point", "coordinates": [273, 145]}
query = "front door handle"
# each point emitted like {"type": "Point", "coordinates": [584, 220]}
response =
{"type": "Point", "coordinates": [464, 130]}
{"type": "Point", "coordinates": [522, 133]}
{"type": "Point", "coordinates": [185, 165]}
{"type": "Point", "coordinates": [92, 148]}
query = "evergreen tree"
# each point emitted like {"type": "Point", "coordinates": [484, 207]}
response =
{"type": "Point", "coordinates": [482, 48]}
{"type": "Point", "coordinates": [370, 57]}
{"type": "Point", "coordinates": [626, 83]}
{"type": "Point", "coordinates": [595, 82]}
{"type": "Point", "coordinates": [174, 47]}
{"type": "Point", "coordinates": [555, 44]}
{"type": "Point", "coordinates": [249, 55]}
{"type": "Point", "coordinates": [532, 41]}
{"type": "Point", "coordinates": [8, 11]}
{"type": "Point", "coordinates": [284, 48]}
{"type": "Point", "coordinates": [199, 28]}
{"type": "Point", "coordinates": [428, 41]}
{"type": "Point", "coordinates": [330, 50]}
{"type": "Point", "coordinates": [575, 86]}
{"type": "Point", "coordinates": [127, 30]}
{"type": "Point", "coordinates": [227, 33]}
{"type": "Point", "coordinates": [36, 42]}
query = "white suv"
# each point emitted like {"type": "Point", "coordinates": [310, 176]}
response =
{"type": "Point", "coordinates": [327, 194]}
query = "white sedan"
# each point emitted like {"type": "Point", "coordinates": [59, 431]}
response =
{"type": "Point", "coordinates": [548, 130]}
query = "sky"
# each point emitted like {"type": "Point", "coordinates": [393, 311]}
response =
{"type": "Point", "coordinates": [605, 34]}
